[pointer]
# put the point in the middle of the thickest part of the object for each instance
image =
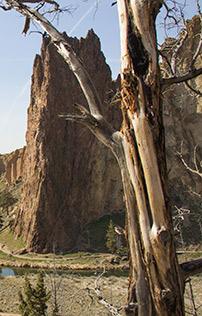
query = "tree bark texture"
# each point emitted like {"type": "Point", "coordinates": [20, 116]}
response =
{"type": "Point", "coordinates": [156, 286]}
{"type": "Point", "coordinates": [156, 280]}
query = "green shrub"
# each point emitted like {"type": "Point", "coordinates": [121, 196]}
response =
{"type": "Point", "coordinates": [33, 302]}
{"type": "Point", "coordinates": [111, 237]}
{"type": "Point", "coordinates": [6, 199]}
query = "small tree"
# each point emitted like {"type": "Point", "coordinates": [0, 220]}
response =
{"type": "Point", "coordinates": [26, 303]}
{"type": "Point", "coordinates": [111, 237]}
{"type": "Point", "coordinates": [55, 311]}
{"type": "Point", "coordinates": [33, 303]}
{"type": "Point", "coordinates": [6, 199]}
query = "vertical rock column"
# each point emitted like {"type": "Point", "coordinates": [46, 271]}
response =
{"type": "Point", "coordinates": [69, 178]}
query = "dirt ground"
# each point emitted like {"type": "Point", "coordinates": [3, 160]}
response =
{"type": "Point", "coordinates": [76, 295]}
{"type": "Point", "coordinates": [7, 314]}
{"type": "Point", "coordinates": [193, 296]}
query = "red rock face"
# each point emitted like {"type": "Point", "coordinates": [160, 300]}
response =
{"type": "Point", "coordinates": [14, 165]}
{"type": "Point", "coordinates": [69, 178]}
{"type": "Point", "coordinates": [183, 122]}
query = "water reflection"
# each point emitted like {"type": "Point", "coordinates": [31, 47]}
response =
{"type": "Point", "coordinates": [7, 272]}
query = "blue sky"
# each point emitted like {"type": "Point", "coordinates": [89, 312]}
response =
{"type": "Point", "coordinates": [18, 51]}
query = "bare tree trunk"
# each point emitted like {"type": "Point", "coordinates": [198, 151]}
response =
{"type": "Point", "coordinates": [156, 286]}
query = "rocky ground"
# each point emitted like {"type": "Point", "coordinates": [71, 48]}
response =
{"type": "Point", "coordinates": [9, 287]}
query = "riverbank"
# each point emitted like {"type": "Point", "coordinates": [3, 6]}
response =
{"type": "Point", "coordinates": [63, 267]}
{"type": "Point", "coordinates": [75, 275]}
{"type": "Point", "coordinates": [68, 262]}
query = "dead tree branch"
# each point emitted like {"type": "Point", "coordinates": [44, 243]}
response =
{"type": "Point", "coordinates": [66, 51]}
{"type": "Point", "coordinates": [97, 125]}
{"type": "Point", "coordinates": [198, 8]}
{"type": "Point", "coordinates": [97, 292]}
{"type": "Point", "coordinates": [165, 58]}
{"type": "Point", "coordinates": [56, 5]}
{"type": "Point", "coordinates": [196, 170]}
{"type": "Point", "coordinates": [173, 14]}
{"type": "Point", "coordinates": [193, 89]}
{"type": "Point", "coordinates": [191, 267]}
{"type": "Point", "coordinates": [178, 218]}
{"type": "Point", "coordinates": [190, 75]}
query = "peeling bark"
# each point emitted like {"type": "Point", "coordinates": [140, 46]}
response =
{"type": "Point", "coordinates": [157, 274]}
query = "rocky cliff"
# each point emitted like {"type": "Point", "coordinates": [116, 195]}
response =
{"type": "Point", "coordinates": [183, 128]}
{"type": "Point", "coordinates": [12, 165]}
{"type": "Point", "coordinates": [69, 178]}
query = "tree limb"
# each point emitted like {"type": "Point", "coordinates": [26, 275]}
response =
{"type": "Point", "coordinates": [188, 76]}
{"type": "Point", "coordinates": [168, 15]}
{"type": "Point", "coordinates": [27, 26]}
{"type": "Point", "coordinates": [196, 170]}
{"type": "Point", "coordinates": [192, 89]}
{"type": "Point", "coordinates": [56, 5]}
{"type": "Point", "coordinates": [98, 126]}
{"type": "Point", "coordinates": [113, 310]}
{"type": "Point", "coordinates": [167, 61]}
{"type": "Point", "coordinates": [199, 9]}
{"type": "Point", "coordinates": [5, 8]}
{"type": "Point", "coordinates": [93, 119]}
{"type": "Point", "coordinates": [191, 267]}
{"type": "Point", "coordinates": [66, 51]}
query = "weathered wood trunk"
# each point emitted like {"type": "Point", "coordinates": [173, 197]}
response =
{"type": "Point", "coordinates": [156, 286]}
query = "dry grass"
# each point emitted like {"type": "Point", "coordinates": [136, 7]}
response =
{"type": "Point", "coordinates": [74, 298]}
{"type": "Point", "coordinates": [7, 238]}
{"type": "Point", "coordinates": [194, 287]}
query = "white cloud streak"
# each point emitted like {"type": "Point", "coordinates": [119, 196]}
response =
{"type": "Point", "coordinates": [82, 18]}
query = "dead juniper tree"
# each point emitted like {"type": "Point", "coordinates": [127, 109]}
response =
{"type": "Point", "coordinates": [157, 281]}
